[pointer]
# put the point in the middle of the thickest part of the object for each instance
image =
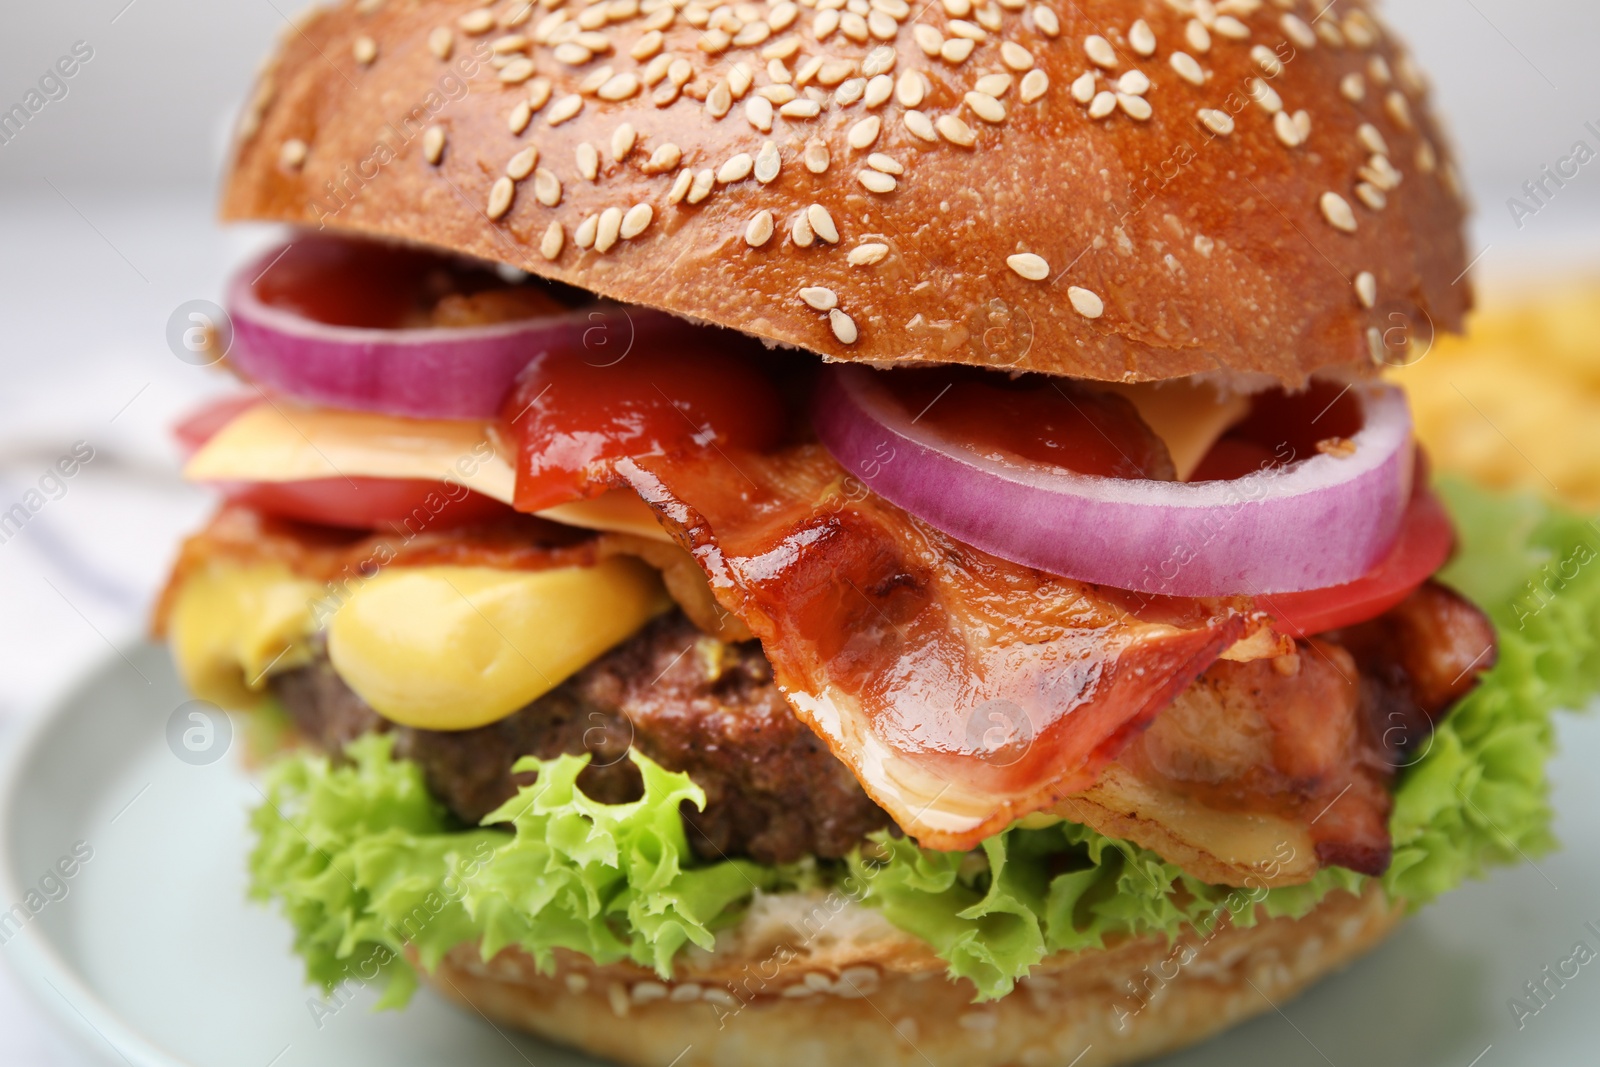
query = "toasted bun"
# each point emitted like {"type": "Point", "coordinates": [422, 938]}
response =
{"type": "Point", "coordinates": [1165, 239]}
{"type": "Point", "coordinates": [861, 992]}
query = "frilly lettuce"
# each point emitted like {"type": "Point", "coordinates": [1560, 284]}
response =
{"type": "Point", "coordinates": [366, 864]}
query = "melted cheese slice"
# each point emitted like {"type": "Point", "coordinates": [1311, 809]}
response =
{"type": "Point", "coordinates": [1188, 415]}
{"type": "Point", "coordinates": [441, 648]}
{"type": "Point", "coordinates": [281, 442]}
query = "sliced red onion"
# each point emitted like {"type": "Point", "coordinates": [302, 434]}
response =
{"type": "Point", "coordinates": [1321, 521]}
{"type": "Point", "coordinates": [432, 373]}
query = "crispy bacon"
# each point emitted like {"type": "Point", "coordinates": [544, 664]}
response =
{"type": "Point", "coordinates": [964, 691]}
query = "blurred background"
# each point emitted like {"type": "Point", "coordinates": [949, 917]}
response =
{"type": "Point", "coordinates": [107, 197]}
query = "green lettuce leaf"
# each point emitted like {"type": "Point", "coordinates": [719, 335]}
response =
{"type": "Point", "coordinates": [366, 864]}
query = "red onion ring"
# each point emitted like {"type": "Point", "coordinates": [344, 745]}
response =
{"type": "Point", "coordinates": [433, 373]}
{"type": "Point", "coordinates": [1319, 522]}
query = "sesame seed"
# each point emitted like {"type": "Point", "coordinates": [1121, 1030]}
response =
{"type": "Point", "coordinates": [865, 255]}
{"type": "Point", "coordinates": [986, 107]}
{"type": "Point", "coordinates": [1399, 109]}
{"type": "Point", "coordinates": [768, 163]}
{"type": "Point", "coordinates": [1198, 36]}
{"type": "Point", "coordinates": [995, 85]}
{"type": "Point", "coordinates": [714, 41]}
{"type": "Point", "coordinates": [920, 126]}
{"type": "Point", "coordinates": [1142, 39]}
{"type": "Point", "coordinates": [1085, 303]}
{"type": "Point", "coordinates": [781, 49]}
{"type": "Point", "coordinates": [680, 186]}
{"type": "Point", "coordinates": [823, 299]}
{"type": "Point", "coordinates": [1034, 85]}
{"type": "Point", "coordinates": [815, 157]}
{"type": "Point", "coordinates": [1267, 60]}
{"type": "Point", "coordinates": [800, 231]}
{"type": "Point", "coordinates": [1427, 158]}
{"type": "Point", "coordinates": [1371, 196]}
{"type": "Point", "coordinates": [758, 113]}
{"type": "Point", "coordinates": [1188, 68]}
{"type": "Point", "coordinates": [522, 163]}
{"type": "Point", "coordinates": [588, 160]}
{"type": "Point", "coordinates": [1296, 30]}
{"type": "Point", "coordinates": [1015, 56]}
{"type": "Point", "coordinates": [955, 131]}
{"type": "Point", "coordinates": [665, 157]}
{"type": "Point", "coordinates": [433, 144]}
{"type": "Point", "coordinates": [834, 71]}
{"type": "Point", "coordinates": [595, 78]}
{"type": "Point", "coordinates": [572, 54]}
{"type": "Point", "coordinates": [887, 164]}
{"type": "Point", "coordinates": [520, 116]}
{"type": "Point", "coordinates": [822, 223]}
{"type": "Point", "coordinates": [1047, 22]}
{"type": "Point", "coordinates": [1135, 107]}
{"type": "Point", "coordinates": [863, 133]}
{"type": "Point", "coordinates": [956, 50]}
{"type": "Point", "coordinates": [928, 39]}
{"type": "Point", "coordinates": [777, 94]}
{"type": "Point", "coordinates": [293, 153]}
{"type": "Point", "coordinates": [1134, 83]}
{"type": "Point", "coordinates": [1231, 27]}
{"type": "Point", "coordinates": [564, 109]}
{"type": "Point", "coordinates": [365, 50]}
{"type": "Point", "coordinates": [824, 24]}
{"type": "Point", "coordinates": [1353, 87]}
{"type": "Point", "coordinates": [782, 16]}
{"type": "Point", "coordinates": [1099, 51]}
{"type": "Point", "coordinates": [1203, 244]}
{"type": "Point", "coordinates": [735, 169]}
{"type": "Point", "coordinates": [476, 22]}
{"type": "Point", "coordinates": [637, 220]}
{"type": "Point", "coordinates": [719, 100]}
{"type": "Point", "coordinates": [878, 91]}
{"type": "Point", "coordinates": [1360, 30]}
{"type": "Point", "coordinates": [622, 140]}
{"type": "Point", "coordinates": [759, 230]}
{"type": "Point", "coordinates": [1083, 87]}
{"type": "Point", "coordinates": [752, 34]}
{"type": "Point", "coordinates": [1285, 129]}
{"type": "Point", "coordinates": [500, 197]}
{"type": "Point", "coordinates": [1380, 172]}
{"type": "Point", "coordinates": [968, 30]}
{"type": "Point", "coordinates": [679, 71]}
{"type": "Point", "coordinates": [1218, 122]}
{"type": "Point", "coordinates": [1328, 30]}
{"type": "Point", "coordinates": [1030, 266]}
{"type": "Point", "coordinates": [844, 327]}
{"type": "Point", "coordinates": [1411, 76]}
{"type": "Point", "coordinates": [546, 187]}
{"type": "Point", "coordinates": [517, 71]}
{"type": "Point", "coordinates": [1265, 95]}
{"type": "Point", "coordinates": [909, 89]}
{"type": "Point", "coordinates": [802, 108]}
{"type": "Point", "coordinates": [441, 42]}
{"type": "Point", "coordinates": [879, 61]}
{"type": "Point", "coordinates": [1366, 289]}
{"type": "Point", "coordinates": [1375, 345]}
{"type": "Point", "coordinates": [538, 93]}
{"type": "Point", "coordinates": [854, 26]}
{"type": "Point", "coordinates": [1103, 104]}
{"type": "Point", "coordinates": [620, 87]}
{"type": "Point", "coordinates": [876, 181]}
{"type": "Point", "coordinates": [1371, 139]}
{"type": "Point", "coordinates": [849, 92]}
{"type": "Point", "coordinates": [1336, 209]}
{"type": "Point", "coordinates": [647, 46]}
{"type": "Point", "coordinates": [608, 230]}
{"type": "Point", "coordinates": [554, 238]}
{"type": "Point", "coordinates": [958, 8]}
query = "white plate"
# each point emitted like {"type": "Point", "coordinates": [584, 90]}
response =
{"type": "Point", "coordinates": [154, 957]}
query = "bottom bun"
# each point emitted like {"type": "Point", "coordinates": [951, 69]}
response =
{"type": "Point", "coordinates": [821, 980]}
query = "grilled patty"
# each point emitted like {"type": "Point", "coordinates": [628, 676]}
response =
{"type": "Point", "coordinates": [693, 704]}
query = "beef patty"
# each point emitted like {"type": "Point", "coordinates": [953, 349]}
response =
{"type": "Point", "coordinates": [692, 703]}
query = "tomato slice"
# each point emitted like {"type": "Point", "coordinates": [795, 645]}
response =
{"type": "Point", "coordinates": [1425, 542]}
{"type": "Point", "coordinates": [360, 503]}
{"type": "Point", "coordinates": [573, 415]}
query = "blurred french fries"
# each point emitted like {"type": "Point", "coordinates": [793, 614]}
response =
{"type": "Point", "coordinates": [1515, 404]}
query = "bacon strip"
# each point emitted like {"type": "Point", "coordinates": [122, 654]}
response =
{"type": "Point", "coordinates": [964, 691]}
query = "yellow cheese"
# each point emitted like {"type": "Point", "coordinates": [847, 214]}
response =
{"type": "Point", "coordinates": [231, 626]}
{"type": "Point", "coordinates": [280, 441]}
{"type": "Point", "coordinates": [452, 648]}
{"type": "Point", "coordinates": [1187, 414]}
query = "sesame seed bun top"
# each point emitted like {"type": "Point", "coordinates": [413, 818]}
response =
{"type": "Point", "coordinates": [1110, 189]}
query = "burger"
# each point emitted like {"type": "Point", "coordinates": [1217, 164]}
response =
{"type": "Point", "coordinates": [779, 532]}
